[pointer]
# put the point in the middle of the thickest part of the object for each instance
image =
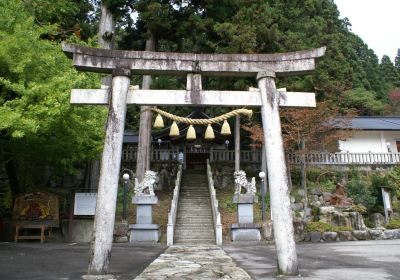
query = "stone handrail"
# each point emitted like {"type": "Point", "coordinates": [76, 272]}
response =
{"type": "Point", "coordinates": [174, 208]}
{"type": "Point", "coordinates": [214, 206]}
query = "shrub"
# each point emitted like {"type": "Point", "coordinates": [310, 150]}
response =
{"type": "Point", "coordinates": [359, 208]}
{"type": "Point", "coordinates": [318, 226]}
{"type": "Point", "coordinates": [358, 189]}
{"type": "Point", "coordinates": [369, 223]}
{"type": "Point", "coordinates": [393, 224]}
{"type": "Point", "coordinates": [324, 227]}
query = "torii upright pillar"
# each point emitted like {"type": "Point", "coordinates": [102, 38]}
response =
{"type": "Point", "coordinates": [277, 177]}
{"type": "Point", "coordinates": [109, 173]}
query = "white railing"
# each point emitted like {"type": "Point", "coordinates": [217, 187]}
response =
{"type": "Point", "coordinates": [229, 155]}
{"type": "Point", "coordinates": [174, 208]}
{"type": "Point", "coordinates": [214, 207]}
{"type": "Point", "coordinates": [345, 158]}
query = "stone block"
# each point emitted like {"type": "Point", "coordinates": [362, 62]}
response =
{"type": "Point", "coordinates": [245, 213]}
{"type": "Point", "coordinates": [376, 234]}
{"type": "Point", "coordinates": [345, 235]}
{"type": "Point", "coordinates": [377, 219]}
{"type": "Point", "coordinates": [243, 198]}
{"type": "Point", "coordinates": [297, 206]}
{"type": "Point", "coordinates": [267, 230]}
{"type": "Point", "coordinates": [144, 233]}
{"type": "Point", "coordinates": [325, 210]}
{"type": "Point", "coordinates": [121, 229]}
{"type": "Point", "coordinates": [361, 234]}
{"type": "Point", "coordinates": [121, 239]}
{"type": "Point", "coordinates": [82, 230]}
{"type": "Point", "coordinates": [329, 236]}
{"type": "Point", "coordinates": [144, 214]}
{"type": "Point", "coordinates": [326, 197]}
{"type": "Point", "coordinates": [245, 234]}
{"type": "Point", "coordinates": [299, 233]}
{"type": "Point", "coordinates": [390, 234]}
{"type": "Point", "coordinates": [314, 236]}
{"type": "Point", "coordinates": [145, 199]}
{"type": "Point", "coordinates": [316, 192]}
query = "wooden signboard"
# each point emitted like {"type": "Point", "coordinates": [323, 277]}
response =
{"type": "Point", "coordinates": [35, 210]}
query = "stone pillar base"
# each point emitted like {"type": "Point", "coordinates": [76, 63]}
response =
{"type": "Point", "coordinates": [144, 230]}
{"type": "Point", "coordinates": [144, 233]}
{"type": "Point", "coordinates": [245, 232]}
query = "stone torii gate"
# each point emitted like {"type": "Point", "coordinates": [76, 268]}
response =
{"type": "Point", "coordinates": [122, 64]}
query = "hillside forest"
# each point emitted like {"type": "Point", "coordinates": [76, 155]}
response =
{"type": "Point", "coordinates": [39, 129]}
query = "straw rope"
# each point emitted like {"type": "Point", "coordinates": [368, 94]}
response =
{"type": "Point", "coordinates": [221, 118]}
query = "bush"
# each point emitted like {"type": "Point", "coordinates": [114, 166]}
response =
{"type": "Point", "coordinates": [393, 224]}
{"type": "Point", "coordinates": [318, 226]}
{"type": "Point", "coordinates": [358, 189]}
{"type": "Point", "coordinates": [369, 223]}
{"type": "Point", "coordinates": [359, 208]}
{"type": "Point", "coordinates": [324, 227]}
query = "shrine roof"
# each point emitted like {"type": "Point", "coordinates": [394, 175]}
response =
{"type": "Point", "coordinates": [373, 123]}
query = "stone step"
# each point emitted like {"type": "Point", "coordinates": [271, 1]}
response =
{"type": "Point", "coordinates": [190, 221]}
{"type": "Point", "coordinates": [194, 229]}
{"type": "Point", "coordinates": [187, 236]}
{"type": "Point", "coordinates": [194, 241]}
{"type": "Point", "coordinates": [202, 215]}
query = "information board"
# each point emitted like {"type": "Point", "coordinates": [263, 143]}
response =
{"type": "Point", "coordinates": [85, 203]}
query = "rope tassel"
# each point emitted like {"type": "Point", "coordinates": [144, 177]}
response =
{"type": "Point", "coordinates": [191, 133]}
{"type": "Point", "coordinates": [225, 130]}
{"type": "Point", "coordinates": [159, 122]}
{"type": "Point", "coordinates": [174, 131]}
{"type": "Point", "coordinates": [209, 133]}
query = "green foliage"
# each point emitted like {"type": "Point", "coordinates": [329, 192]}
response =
{"type": "Point", "coordinates": [37, 123]}
{"type": "Point", "coordinates": [324, 227]}
{"type": "Point", "coordinates": [393, 178]}
{"type": "Point", "coordinates": [358, 188]}
{"type": "Point", "coordinates": [359, 208]}
{"type": "Point", "coordinates": [393, 224]}
{"type": "Point", "coordinates": [363, 100]}
{"type": "Point", "coordinates": [368, 223]}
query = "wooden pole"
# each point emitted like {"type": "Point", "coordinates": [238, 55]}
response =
{"type": "Point", "coordinates": [237, 143]}
{"type": "Point", "coordinates": [109, 173]}
{"type": "Point", "coordinates": [277, 176]}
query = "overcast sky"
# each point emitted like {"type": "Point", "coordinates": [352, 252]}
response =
{"type": "Point", "coordinates": [377, 22]}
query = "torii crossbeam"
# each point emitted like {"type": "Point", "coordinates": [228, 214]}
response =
{"type": "Point", "coordinates": [265, 67]}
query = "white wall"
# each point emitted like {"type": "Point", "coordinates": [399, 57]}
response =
{"type": "Point", "coordinates": [370, 141]}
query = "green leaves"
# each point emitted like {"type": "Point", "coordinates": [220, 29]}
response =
{"type": "Point", "coordinates": [36, 78]}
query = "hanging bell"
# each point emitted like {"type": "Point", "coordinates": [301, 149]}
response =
{"type": "Point", "coordinates": [209, 133]}
{"type": "Point", "coordinates": [225, 130]}
{"type": "Point", "coordinates": [174, 131]}
{"type": "Point", "coordinates": [191, 133]}
{"type": "Point", "coordinates": [159, 122]}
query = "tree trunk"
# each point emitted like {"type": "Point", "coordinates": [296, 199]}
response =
{"type": "Point", "coordinates": [106, 41]}
{"type": "Point", "coordinates": [144, 145]}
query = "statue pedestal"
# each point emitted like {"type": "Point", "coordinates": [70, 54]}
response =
{"type": "Point", "coordinates": [245, 229]}
{"type": "Point", "coordinates": [144, 230]}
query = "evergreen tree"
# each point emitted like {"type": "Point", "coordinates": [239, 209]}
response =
{"type": "Point", "coordinates": [397, 60]}
{"type": "Point", "coordinates": [389, 73]}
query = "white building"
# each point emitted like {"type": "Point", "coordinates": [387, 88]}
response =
{"type": "Point", "coordinates": [373, 134]}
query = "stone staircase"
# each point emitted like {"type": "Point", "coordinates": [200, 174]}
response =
{"type": "Point", "coordinates": [194, 221]}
